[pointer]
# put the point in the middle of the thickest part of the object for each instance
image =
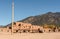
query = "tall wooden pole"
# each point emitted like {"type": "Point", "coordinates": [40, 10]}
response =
{"type": "Point", "coordinates": [12, 15]}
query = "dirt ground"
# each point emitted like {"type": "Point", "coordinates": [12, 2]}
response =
{"type": "Point", "coordinates": [5, 35]}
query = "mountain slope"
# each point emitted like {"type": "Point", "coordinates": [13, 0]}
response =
{"type": "Point", "coordinates": [48, 18]}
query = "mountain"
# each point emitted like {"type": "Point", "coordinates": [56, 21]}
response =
{"type": "Point", "coordinates": [48, 18]}
{"type": "Point", "coordinates": [1, 26]}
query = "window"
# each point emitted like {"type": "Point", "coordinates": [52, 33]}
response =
{"type": "Point", "coordinates": [29, 26]}
{"type": "Point", "coordinates": [10, 28]}
{"type": "Point", "coordinates": [24, 26]}
{"type": "Point", "coordinates": [16, 30]}
{"type": "Point", "coordinates": [19, 25]}
{"type": "Point", "coordinates": [24, 30]}
{"type": "Point", "coordinates": [40, 31]}
{"type": "Point", "coordinates": [14, 23]}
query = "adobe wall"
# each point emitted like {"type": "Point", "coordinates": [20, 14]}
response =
{"type": "Point", "coordinates": [25, 26]}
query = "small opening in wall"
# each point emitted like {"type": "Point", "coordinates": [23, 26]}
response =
{"type": "Point", "coordinates": [40, 31]}
{"type": "Point", "coordinates": [10, 28]}
{"type": "Point", "coordinates": [24, 30]}
{"type": "Point", "coordinates": [28, 30]}
{"type": "Point", "coordinates": [19, 25]}
{"type": "Point", "coordinates": [16, 30]}
{"type": "Point", "coordinates": [49, 30]}
{"type": "Point", "coordinates": [14, 23]}
{"type": "Point", "coordinates": [24, 26]}
{"type": "Point", "coordinates": [29, 26]}
{"type": "Point", "coordinates": [59, 30]}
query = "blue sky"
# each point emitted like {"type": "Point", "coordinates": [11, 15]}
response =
{"type": "Point", "coordinates": [26, 8]}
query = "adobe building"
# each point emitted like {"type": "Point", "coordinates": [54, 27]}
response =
{"type": "Point", "coordinates": [48, 30]}
{"type": "Point", "coordinates": [59, 29]}
{"type": "Point", "coordinates": [5, 29]}
{"type": "Point", "coordinates": [26, 27]}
